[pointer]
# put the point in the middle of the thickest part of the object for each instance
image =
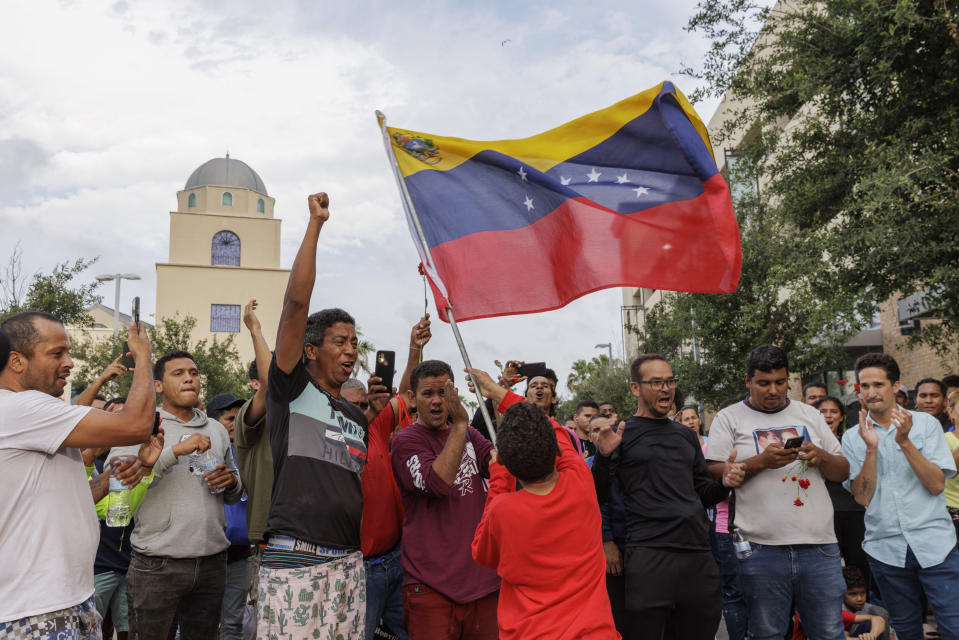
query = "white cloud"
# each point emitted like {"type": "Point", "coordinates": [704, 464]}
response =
{"type": "Point", "coordinates": [105, 111]}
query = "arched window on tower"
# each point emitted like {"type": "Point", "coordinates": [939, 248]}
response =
{"type": "Point", "coordinates": [226, 249]}
{"type": "Point", "coordinates": [227, 199]}
{"type": "Point", "coordinates": [191, 201]}
{"type": "Point", "coordinates": [260, 206]}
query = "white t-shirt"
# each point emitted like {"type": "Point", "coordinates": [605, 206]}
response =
{"type": "Point", "coordinates": [48, 522]}
{"type": "Point", "coordinates": [766, 509]}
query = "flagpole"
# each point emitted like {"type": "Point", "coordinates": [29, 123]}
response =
{"type": "Point", "coordinates": [411, 210]}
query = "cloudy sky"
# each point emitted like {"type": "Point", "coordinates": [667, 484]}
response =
{"type": "Point", "coordinates": [107, 107]}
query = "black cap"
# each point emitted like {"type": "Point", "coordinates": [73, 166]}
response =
{"type": "Point", "coordinates": [222, 402]}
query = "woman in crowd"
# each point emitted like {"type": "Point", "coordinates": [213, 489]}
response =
{"type": "Point", "coordinates": [849, 516]}
{"type": "Point", "coordinates": [952, 484]}
{"type": "Point", "coordinates": [689, 416]}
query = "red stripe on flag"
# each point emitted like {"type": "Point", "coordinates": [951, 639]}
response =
{"type": "Point", "coordinates": [581, 247]}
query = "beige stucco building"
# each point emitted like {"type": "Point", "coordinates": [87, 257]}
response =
{"type": "Point", "coordinates": [224, 250]}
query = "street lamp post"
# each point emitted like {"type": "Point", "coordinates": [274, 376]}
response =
{"type": "Point", "coordinates": [117, 277]}
{"type": "Point", "coordinates": [607, 345]}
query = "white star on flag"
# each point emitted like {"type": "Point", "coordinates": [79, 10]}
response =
{"type": "Point", "coordinates": [622, 179]}
{"type": "Point", "coordinates": [522, 174]}
{"type": "Point", "coordinates": [641, 191]}
{"type": "Point", "coordinates": [564, 180]}
{"type": "Point", "coordinates": [593, 175]}
{"type": "Point", "coordinates": [529, 203]}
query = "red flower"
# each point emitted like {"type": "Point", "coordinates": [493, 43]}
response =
{"type": "Point", "coordinates": [798, 502]}
{"type": "Point", "coordinates": [804, 483]}
{"type": "Point", "coordinates": [841, 383]}
{"type": "Point", "coordinates": [857, 387]}
{"type": "Point", "coordinates": [421, 269]}
{"type": "Point", "coordinates": [794, 478]}
{"type": "Point", "coordinates": [784, 478]}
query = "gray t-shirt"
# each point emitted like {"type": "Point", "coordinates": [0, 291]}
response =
{"type": "Point", "coordinates": [767, 511]}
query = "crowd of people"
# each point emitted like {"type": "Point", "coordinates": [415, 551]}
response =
{"type": "Point", "coordinates": [324, 508]}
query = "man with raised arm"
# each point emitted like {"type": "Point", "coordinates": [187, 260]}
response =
{"type": "Point", "coordinates": [899, 461]}
{"type": "Point", "coordinates": [319, 449]}
{"type": "Point", "coordinates": [48, 524]}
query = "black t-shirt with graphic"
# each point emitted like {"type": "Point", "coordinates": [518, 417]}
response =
{"type": "Point", "coordinates": [319, 450]}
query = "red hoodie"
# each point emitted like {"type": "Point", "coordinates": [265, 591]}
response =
{"type": "Point", "coordinates": [548, 550]}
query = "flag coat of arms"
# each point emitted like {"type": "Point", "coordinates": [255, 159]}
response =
{"type": "Point", "coordinates": [626, 196]}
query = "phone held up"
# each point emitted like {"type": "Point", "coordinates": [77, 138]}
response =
{"type": "Point", "coordinates": [127, 361]}
{"type": "Point", "coordinates": [532, 369]}
{"type": "Point", "coordinates": [385, 367]}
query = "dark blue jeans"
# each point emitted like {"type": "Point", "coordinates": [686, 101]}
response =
{"type": "Point", "coordinates": [384, 593]}
{"type": "Point", "coordinates": [774, 577]}
{"type": "Point", "coordinates": [734, 603]}
{"type": "Point", "coordinates": [900, 588]}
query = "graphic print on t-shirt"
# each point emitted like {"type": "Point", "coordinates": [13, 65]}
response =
{"type": "Point", "coordinates": [320, 432]}
{"type": "Point", "coordinates": [764, 436]}
{"type": "Point", "coordinates": [468, 468]}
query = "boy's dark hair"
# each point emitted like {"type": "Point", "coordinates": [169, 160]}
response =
{"type": "Point", "coordinates": [942, 385]}
{"type": "Point", "coordinates": [952, 380]}
{"type": "Point", "coordinates": [728, 402]}
{"type": "Point", "coordinates": [612, 404]}
{"type": "Point", "coordinates": [429, 369]}
{"type": "Point", "coordinates": [814, 385]}
{"type": "Point", "coordinates": [253, 372]}
{"type": "Point", "coordinates": [853, 577]}
{"type": "Point", "coordinates": [158, 368]}
{"type": "Point", "coordinates": [526, 443]}
{"type": "Point", "coordinates": [882, 361]}
{"type": "Point", "coordinates": [586, 404]}
{"type": "Point", "coordinates": [319, 322]}
{"type": "Point", "coordinates": [113, 401]}
{"type": "Point", "coordinates": [766, 358]}
{"type": "Point", "coordinates": [639, 361]}
{"type": "Point", "coordinates": [22, 332]}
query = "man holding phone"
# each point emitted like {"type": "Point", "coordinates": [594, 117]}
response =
{"type": "Point", "coordinates": [45, 505]}
{"type": "Point", "coordinates": [783, 507]}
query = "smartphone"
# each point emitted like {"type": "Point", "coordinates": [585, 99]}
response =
{"type": "Point", "coordinates": [136, 313]}
{"type": "Point", "coordinates": [156, 422]}
{"type": "Point", "coordinates": [794, 443]}
{"type": "Point", "coordinates": [385, 367]}
{"type": "Point", "coordinates": [532, 369]}
{"type": "Point", "coordinates": [127, 361]}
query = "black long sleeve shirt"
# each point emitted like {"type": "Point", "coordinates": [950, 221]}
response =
{"type": "Point", "coordinates": [665, 482]}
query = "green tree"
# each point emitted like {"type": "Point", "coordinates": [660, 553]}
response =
{"type": "Point", "coordinates": [218, 360]}
{"type": "Point", "coordinates": [56, 293]}
{"type": "Point", "coordinates": [864, 180]}
{"type": "Point", "coordinates": [706, 338]}
{"type": "Point", "coordinates": [600, 381]}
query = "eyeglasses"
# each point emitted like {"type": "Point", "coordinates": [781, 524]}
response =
{"type": "Point", "coordinates": [656, 383]}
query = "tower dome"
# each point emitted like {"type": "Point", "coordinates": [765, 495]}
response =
{"type": "Point", "coordinates": [226, 172]}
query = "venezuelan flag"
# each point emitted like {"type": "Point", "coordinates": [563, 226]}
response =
{"type": "Point", "coordinates": [626, 196]}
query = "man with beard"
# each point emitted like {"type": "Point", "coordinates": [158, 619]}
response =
{"type": "Point", "coordinates": [440, 464]}
{"type": "Point", "coordinates": [48, 525]}
{"type": "Point", "coordinates": [671, 578]}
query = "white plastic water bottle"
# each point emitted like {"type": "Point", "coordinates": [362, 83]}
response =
{"type": "Point", "coordinates": [118, 504]}
{"type": "Point", "coordinates": [206, 461]}
{"type": "Point", "coordinates": [741, 545]}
